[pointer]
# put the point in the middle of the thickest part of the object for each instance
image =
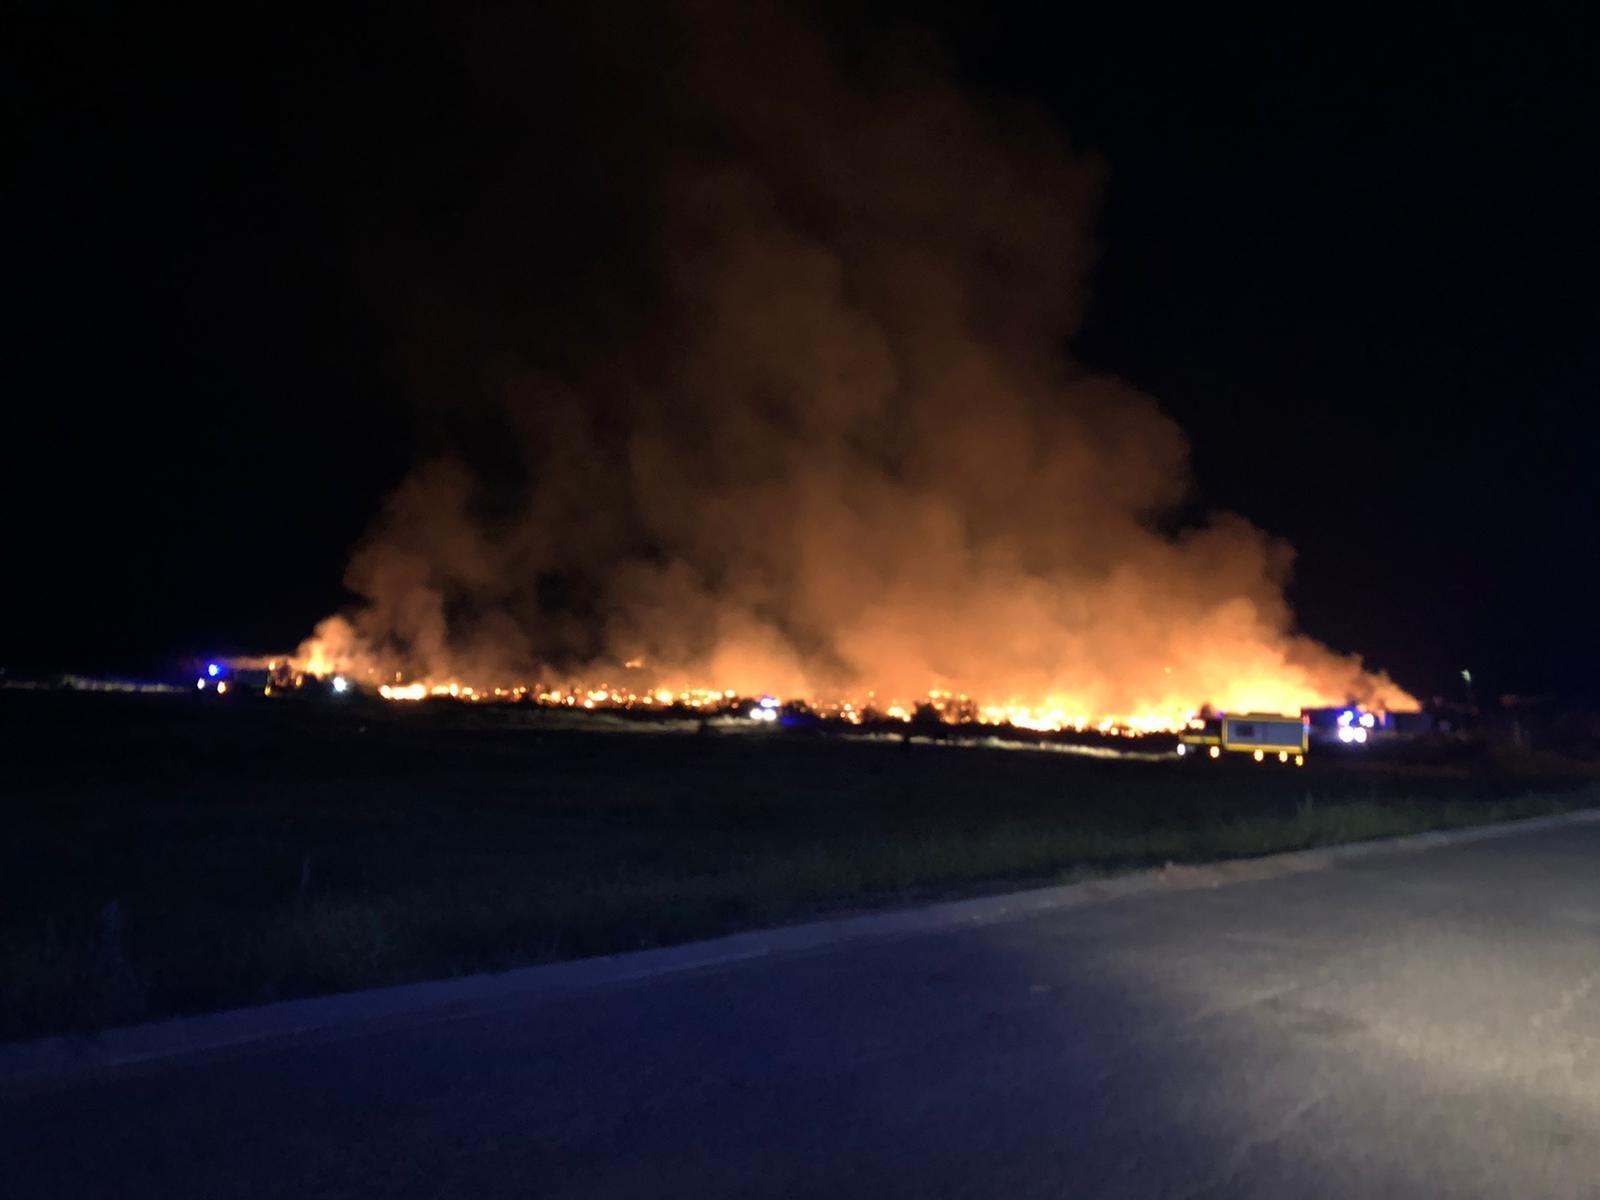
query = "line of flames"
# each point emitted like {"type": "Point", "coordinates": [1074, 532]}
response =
{"type": "Point", "coordinates": [949, 707]}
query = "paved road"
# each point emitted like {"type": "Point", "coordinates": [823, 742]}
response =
{"type": "Point", "coordinates": [1416, 1025]}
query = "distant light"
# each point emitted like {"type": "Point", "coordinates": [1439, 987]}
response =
{"type": "Point", "coordinates": [340, 683]}
{"type": "Point", "coordinates": [1216, 752]}
{"type": "Point", "coordinates": [1368, 720]}
{"type": "Point", "coordinates": [213, 670]}
{"type": "Point", "coordinates": [769, 702]}
{"type": "Point", "coordinates": [1358, 734]}
{"type": "Point", "coordinates": [222, 686]}
{"type": "Point", "coordinates": [201, 684]}
{"type": "Point", "coordinates": [1346, 717]}
{"type": "Point", "coordinates": [1283, 756]}
{"type": "Point", "coordinates": [1182, 749]}
{"type": "Point", "coordinates": [1259, 756]}
{"type": "Point", "coordinates": [1345, 733]}
{"type": "Point", "coordinates": [1299, 760]}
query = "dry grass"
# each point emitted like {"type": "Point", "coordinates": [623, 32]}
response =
{"type": "Point", "coordinates": [163, 859]}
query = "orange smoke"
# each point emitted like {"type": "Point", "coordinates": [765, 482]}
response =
{"type": "Point", "coordinates": [836, 451]}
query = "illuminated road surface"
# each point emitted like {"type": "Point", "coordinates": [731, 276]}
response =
{"type": "Point", "coordinates": [1421, 1025]}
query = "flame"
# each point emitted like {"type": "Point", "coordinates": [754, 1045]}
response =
{"type": "Point", "coordinates": [1286, 691]}
{"type": "Point", "coordinates": [844, 457]}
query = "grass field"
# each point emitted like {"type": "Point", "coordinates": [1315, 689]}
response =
{"type": "Point", "coordinates": [164, 857]}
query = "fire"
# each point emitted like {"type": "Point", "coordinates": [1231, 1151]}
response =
{"type": "Point", "coordinates": [1051, 712]}
{"type": "Point", "coordinates": [844, 455]}
{"type": "Point", "coordinates": [410, 691]}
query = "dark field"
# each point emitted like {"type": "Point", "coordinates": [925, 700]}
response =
{"type": "Point", "coordinates": [167, 856]}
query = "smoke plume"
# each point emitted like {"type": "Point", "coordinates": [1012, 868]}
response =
{"type": "Point", "coordinates": [832, 439]}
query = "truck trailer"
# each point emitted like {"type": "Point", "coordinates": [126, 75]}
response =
{"type": "Point", "coordinates": [1265, 737]}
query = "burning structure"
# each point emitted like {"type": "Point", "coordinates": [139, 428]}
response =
{"type": "Point", "coordinates": [834, 447]}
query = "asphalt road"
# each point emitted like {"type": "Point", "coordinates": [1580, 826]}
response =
{"type": "Point", "coordinates": [1412, 1025]}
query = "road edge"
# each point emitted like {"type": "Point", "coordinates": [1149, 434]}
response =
{"type": "Point", "coordinates": [62, 1059]}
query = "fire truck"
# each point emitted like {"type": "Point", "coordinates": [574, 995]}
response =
{"type": "Point", "coordinates": [1265, 737]}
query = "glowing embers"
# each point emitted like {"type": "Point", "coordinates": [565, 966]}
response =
{"type": "Point", "coordinates": [409, 691]}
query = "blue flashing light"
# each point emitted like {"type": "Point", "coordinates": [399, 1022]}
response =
{"type": "Point", "coordinates": [213, 670]}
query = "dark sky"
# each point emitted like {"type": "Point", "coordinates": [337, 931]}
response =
{"type": "Point", "coordinates": [1356, 262]}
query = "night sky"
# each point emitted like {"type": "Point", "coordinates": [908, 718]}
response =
{"type": "Point", "coordinates": [1355, 262]}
